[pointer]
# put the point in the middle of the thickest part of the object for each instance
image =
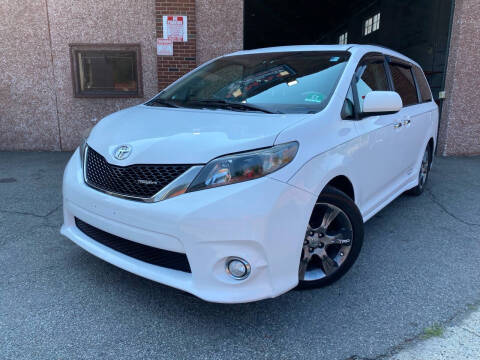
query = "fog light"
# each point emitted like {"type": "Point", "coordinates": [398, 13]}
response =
{"type": "Point", "coordinates": [237, 268]}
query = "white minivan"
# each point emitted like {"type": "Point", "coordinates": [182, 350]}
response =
{"type": "Point", "coordinates": [254, 173]}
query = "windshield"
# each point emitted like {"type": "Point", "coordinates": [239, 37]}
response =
{"type": "Point", "coordinates": [281, 82]}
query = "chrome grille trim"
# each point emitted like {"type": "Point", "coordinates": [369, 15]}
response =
{"type": "Point", "coordinates": [176, 187]}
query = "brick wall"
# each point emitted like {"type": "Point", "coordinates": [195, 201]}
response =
{"type": "Point", "coordinates": [184, 57]}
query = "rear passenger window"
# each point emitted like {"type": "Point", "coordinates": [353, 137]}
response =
{"type": "Point", "coordinates": [425, 93]}
{"type": "Point", "coordinates": [372, 77]}
{"type": "Point", "coordinates": [403, 84]}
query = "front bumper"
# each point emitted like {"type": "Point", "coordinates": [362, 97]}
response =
{"type": "Point", "coordinates": [262, 221]}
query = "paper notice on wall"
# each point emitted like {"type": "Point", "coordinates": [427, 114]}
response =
{"type": "Point", "coordinates": [164, 47]}
{"type": "Point", "coordinates": [175, 28]}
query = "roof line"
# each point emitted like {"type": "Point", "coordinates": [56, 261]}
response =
{"type": "Point", "coordinates": [382, 46]}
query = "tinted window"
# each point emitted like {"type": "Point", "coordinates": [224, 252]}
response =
{"type": "Point", "coordinates": [287, 82]}
{"type": "Point", "coordinates": [372, 78]}
{"type": "Point", "coordinates": [403, 84]}
{"type": "Point", "coordinates": [422, 83]}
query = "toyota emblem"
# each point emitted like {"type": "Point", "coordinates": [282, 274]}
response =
{"type": "Point", "coordinates": [122, 152]}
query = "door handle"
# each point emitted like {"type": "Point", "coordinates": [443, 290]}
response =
{"type": "Point", "coordinates": [406, 122]}
{"type": "Point", "coordinates": [397, 125]}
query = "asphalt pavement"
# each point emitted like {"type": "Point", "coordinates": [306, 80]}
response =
{"type": "Point", "coordinates": [419, 266]}
{"type": "Point", "coordinates": [457, 342]}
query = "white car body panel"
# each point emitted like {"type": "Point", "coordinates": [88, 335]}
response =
{"type": "Point", "coordinates": [259, 219]}
{"type": "Point", "coordinates": [375, 101]}
{"type": "Point", "coordinates": [204, 224]}
{"type": "Point", "coordinates": [169, 136]}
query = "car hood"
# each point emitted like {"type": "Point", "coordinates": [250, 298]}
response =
{"type": "Point", "coordinates": [184, 136]}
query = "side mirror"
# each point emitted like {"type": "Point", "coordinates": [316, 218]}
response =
{"type": "Point", "coordinates": [381, 103]}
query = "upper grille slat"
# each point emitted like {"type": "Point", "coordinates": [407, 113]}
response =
{"type": "Point", "coordinates": [124, 180]}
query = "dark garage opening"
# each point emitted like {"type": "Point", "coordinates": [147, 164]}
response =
{"type": "Point", "coordinates": [418, 29]}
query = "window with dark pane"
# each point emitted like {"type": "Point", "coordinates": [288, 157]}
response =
{"type": "Point", "coordinates": [422, 83]}
{"type": "Point", "coordinates": [371, 77]}
{"type": "Point", "coordinates": [403, 84]}
{"type": "Point", "coordinates": [375, 77]}
{"type": "Point", "coordinates": [106, 72]}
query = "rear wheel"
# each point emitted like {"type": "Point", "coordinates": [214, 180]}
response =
{"type": "Point", "coordinates": [332, 241]}
{"type": "Point", "coordinates": [423, 173]}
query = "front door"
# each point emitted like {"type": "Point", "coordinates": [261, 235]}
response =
{"type": "Point", "coordinates": [380, 137]}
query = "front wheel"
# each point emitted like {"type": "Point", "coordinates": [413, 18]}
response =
{"type": "Point", "coordinates": [332, 241]}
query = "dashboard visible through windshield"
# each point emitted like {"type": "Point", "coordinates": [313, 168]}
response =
{"type": "Point", "coordinates": [276, 82]}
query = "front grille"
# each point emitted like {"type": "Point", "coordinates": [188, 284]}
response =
{"type": "Point", "coordinates": [140, 181]}
{"type": "Point", "coordinates": [164, 258]}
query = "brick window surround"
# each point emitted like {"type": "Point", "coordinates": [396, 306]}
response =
{"type": "Point", "coordinates": [170, 68]}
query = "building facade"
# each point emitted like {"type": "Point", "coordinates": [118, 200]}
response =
{"type": "Point", "coordinates": [64, 65]}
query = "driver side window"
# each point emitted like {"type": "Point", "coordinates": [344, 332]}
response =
{"type": "Point", "coordinates": [371, 77]}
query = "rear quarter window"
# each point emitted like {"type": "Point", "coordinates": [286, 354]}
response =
{"type": "Point", "coordinates": [404, 84]}
{"type": "Point", "coordinates": [425, 93]}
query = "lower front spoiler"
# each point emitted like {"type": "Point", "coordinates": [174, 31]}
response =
{"type": "Point", "coordinates": [177, 279]}
{"type": "Point", "coordinates": [173, 278]}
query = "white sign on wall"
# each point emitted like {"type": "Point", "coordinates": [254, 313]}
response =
{"type": "Point", "coordinates": [164, 47]}
{"type": "Point", "coordinates": [175, 28]}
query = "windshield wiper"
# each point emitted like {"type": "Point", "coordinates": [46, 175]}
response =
{"type": "Point", "coordinates": [230, 105]}
{"type": "Point", "coordinates": [162, 102]}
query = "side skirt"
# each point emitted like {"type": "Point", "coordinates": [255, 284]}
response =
{"type": "Point", "coordinates": [389, 199]}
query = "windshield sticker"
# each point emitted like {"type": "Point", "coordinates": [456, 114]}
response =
{"type": "Point", "coordinates": [315, 97]}
{"type": "Point", "coordinates": [334, 58]}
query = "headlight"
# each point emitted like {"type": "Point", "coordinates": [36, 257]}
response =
{"type": "Point", "coordinates": [245, 166]}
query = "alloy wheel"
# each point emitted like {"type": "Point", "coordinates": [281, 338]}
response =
{"type": "Point", "coordinates": [327, 243]}
{"type": "Point", "coordinates": [422, 177]}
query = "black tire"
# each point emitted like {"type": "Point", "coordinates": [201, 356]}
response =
{"type": "Point", "coordinates": [343, 202]}
{"type": "Point", "coordinates": [418, 190]}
